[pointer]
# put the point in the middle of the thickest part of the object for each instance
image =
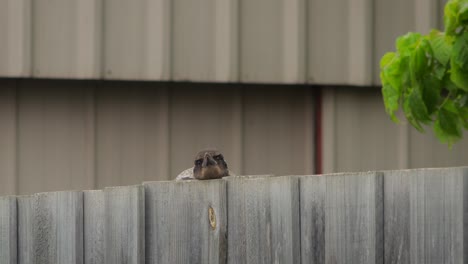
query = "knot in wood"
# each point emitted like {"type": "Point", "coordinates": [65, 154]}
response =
{"type": "Point", "coordinates": [212, 217]}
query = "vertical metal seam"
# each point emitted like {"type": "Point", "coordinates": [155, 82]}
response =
{"type": "Point", "coordinates": [318, 131]}
{"type": "Point", "coordinates": [171, 28]}
{"type": "Point", "coordinates": [306, 43]}
{"type": "Point", "coordinates": [16, 173]}
{"type": "Point", "coordinates": [169, 102]}
{"type": "Point", "coordinates": [95, 134]}
{"type": "Point", "coordinates": [242, 136]}
{"type": "Point", "coordinates": [239, 44]}
{"type": "Point", "coordinates": [373, 44]}
{"type": "Point", "coordinates": [32, 39]}
{"type": "Point", "coordinates": [102, 45]}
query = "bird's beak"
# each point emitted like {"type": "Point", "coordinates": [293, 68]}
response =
{"type": "Point", "coordinates": [208, 160]}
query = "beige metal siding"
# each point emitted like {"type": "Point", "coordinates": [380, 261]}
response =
{"type": "Point", "coordinates": [8, 136]}
{"type": "Point", "coordinates": [278, 122]}
{"type": "Point", "coordinates": [55, 136]}
{"type": "Point", "coordinates": [397, 17]}
{"type": "Point", "coordinates": [364, 137]}
{"type": "Point", "coordinates": [66, 38]}
{"type": "Point", "coordinates": [340, 42]}
{"type": "Point", "coordinates": [137, 39]}
{"type": "Point", "coordinates": [426, 151]}
{"type": "Point", "coordinates": [359, 136]}
{"type": "Point", "coordinates": [272, 38]}
{"type": "Point", "coordinates": [15, 38]}
{"type": "Point", "coordinates": [205, 117]}
{"type": "Point", "coordinates": [261, 41]}
{"type": "Point", "coordinates": [132, 133]}
{"type": "Point", "coordinates": [205, 40]}
{"type": "Point", "coordinates": [58, 135]}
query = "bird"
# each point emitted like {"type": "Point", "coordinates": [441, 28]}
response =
{"type": "Point", "coordinates": [209, 164]}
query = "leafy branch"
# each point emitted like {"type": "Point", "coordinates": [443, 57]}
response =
{"type": "Point", "coordinates": [427, 76]}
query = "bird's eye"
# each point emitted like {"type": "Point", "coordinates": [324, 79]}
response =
{"type": "Point", "coordinates": [218, 157]}
{"type": "Point", "coordinates": [198, 162]}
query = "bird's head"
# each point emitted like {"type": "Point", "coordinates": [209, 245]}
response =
{"type": "Point", "coordinates": [210, 164]}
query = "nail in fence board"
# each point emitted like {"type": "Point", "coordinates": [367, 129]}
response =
{"type": "Point", "coordinates": [263, 217]}
{"type": "Point", "coordinates": [425, 216]}
{"type": "Point", "coordinates": [50, 228]}
{"type": "Point", "coordinates": [342, 218]}
{"type": "Point", "coordinates": [124, 225]}
{"type": "Point", "coordinates": [94, 214]}
{"type": "Point", "coordinates": [186, 221]}
{"type": "Point", "coordinates": [8, 228]}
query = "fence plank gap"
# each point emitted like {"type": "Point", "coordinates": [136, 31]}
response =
{"type": "Point", "coordinates": [124, 240]}
{"type": "Point", "coordinates": [342, 218]}
{"type": "Point", "coordinates": [263, 217]}
{"type": "Point", "coordinates": [50, 228]}
{"type": "Point", "coordinates": [425, 215]}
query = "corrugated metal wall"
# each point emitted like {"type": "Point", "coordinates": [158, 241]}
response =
{"type": "Point", "coordinates": [359, 136]}
{"type": "Point", "coordinates": [270, 41]}
{"type": "Point", "coordinates": [68, 134]}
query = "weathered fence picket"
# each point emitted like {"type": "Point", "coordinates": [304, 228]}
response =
{"type": "Point", "coordinates": [124, 228]}
{"type": "Point", "coordinates": [263, 220]}
{"type": "Point", "coordinates": [50, 228]}
{"type": "Point", "coordinates": [312, 196]}
{"type": "Point", "coordinates": [426, 216]}
{"type": "Point", "coordinates": [186, 222]}
{"type": "Point", "coordinates": [94, 226]}
{"type": "Point", "coordinates": [410, 216]}
{"type": "Point", "coordinates": [342, 218]}
{"type": "Point", "coordinates": [8, 228]}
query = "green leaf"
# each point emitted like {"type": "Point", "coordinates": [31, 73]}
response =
{"type": "Point", "coordinates": [459, 62]}
{"type": "Point", "coordinates": [450, 107]}
{"type": "Point", "coordinates": [431, 89]}
{"type": "Point", "coordinates": [415, 110]}
{"type": "Point", "coordinates": [387, 59]}
{"type": "Point", "coordinates": [418, 107]}
{"type": "Point", "coordinates": [460, 52]}
{"type": "Point", "coordinates": [462, 107]}
{"type": "Point", "coordinates": [448, 126]}
{"type": "Point", "coordinates": [442, 135]}
{"type": "Point", "coordinates": [407, 43]}
{"type": "Point", "coordinates": [459, 77]}
{"type": "Point", "coordinates": [449, 85]}
{"type": "Point", "coordinates": [391, 84]}
{"type": "Point", "coordinates": [463, 100]}
{"type": "Point", "coordinates": [391, 97]}
{"type": "Point", "coordinates": [440, 46]}
{"type": "Point", "coordinates": [405, 75]}
{"type": "Point", "coordinates": [439, 70]}
{"type": "Point", "coordinates": [464, 115]}
{"type": "Point", "coordinates": [420, 60]}
{"type": "Point", "coordinates": [394, 72]}
{"type": "Point", "coordinates": [428, 76]}
{"type": "Point", "coordinates": [463, 12]}
{"type": "Point", "coordinates": [451, 17]}
{"type": "Point", "coordinates": [409, 116]}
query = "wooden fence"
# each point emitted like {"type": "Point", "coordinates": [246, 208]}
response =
{"type": "Point", "coordinates": [411, 216]}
